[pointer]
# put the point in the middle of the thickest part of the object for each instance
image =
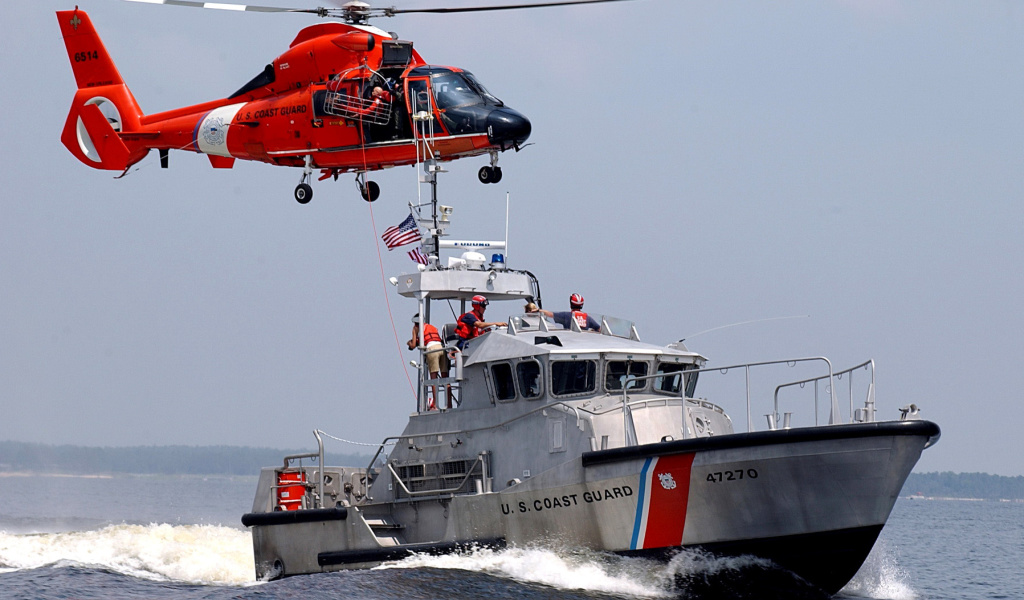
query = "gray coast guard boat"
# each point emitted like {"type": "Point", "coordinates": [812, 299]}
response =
{"type": "Point", "coordinates": [547, 435]}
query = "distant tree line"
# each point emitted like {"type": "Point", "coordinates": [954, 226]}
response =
{"type": "Point", "coordinates": [160, 460]}
{"type": "Point", "coordinates": [235, 460]}
{"type": "Point", "coordinates": [964, 485]}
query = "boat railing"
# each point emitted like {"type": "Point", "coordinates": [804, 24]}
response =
{"type": "Point", "coordinates": [439, 435]}
{"type": "Point", "coordinates": [613, 326]}
{"type": "Point", "coordinates": [318, 501]}
{"type": "Point", "coordinates": [866, 414]}
{"type": "Point", "coordinates": [431, 482]}
{"type": "Point", "coordinates": [628, 427]}
{"type": "Point", "coordinates": [448, 385]}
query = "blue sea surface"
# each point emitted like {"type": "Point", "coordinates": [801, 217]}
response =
{"type": "Point", "coordinates": [181, 537]}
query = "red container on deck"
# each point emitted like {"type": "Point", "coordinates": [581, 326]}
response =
{"type": "Point", "coordinates": [289, 497]}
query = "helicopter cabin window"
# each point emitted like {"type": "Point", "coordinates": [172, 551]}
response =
{"type": "Point", "coordinates": [670, 383]}
{"type": "Point", "coordinates": [571, 377]}
{"type": "Point", "coordinates": [528, 373]}
{"type": "Point", "coordinates": [501, 379]}
{"type": "Point", "coordinates": [617, 371]}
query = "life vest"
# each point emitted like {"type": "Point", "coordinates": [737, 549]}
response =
{"type": "Point", "coordinates": [430, 334]}
{"type": "Point", "coordinates": [465, 332]}
{"type": "Point", "coordinates": [581, 318]}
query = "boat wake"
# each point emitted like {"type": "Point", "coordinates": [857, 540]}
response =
{"type": "Point", "coordinates": [690, 574]}
{"type": "Point", "coordinates": [222, 556]}
{"type": "Point", "coordinates": [201, 554]}
{"type": "Point", "coordinates": [566, 570]}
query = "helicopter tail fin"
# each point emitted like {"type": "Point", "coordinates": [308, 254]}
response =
{"type": "Point", "coordinates": [103, 107]}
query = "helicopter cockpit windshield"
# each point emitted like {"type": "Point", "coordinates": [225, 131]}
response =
{"type": "Point", "coordinates": [461, 101]}
{"type": "Point", "coordinates": [454, 90]}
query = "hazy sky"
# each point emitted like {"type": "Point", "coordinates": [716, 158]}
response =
{"type": "Point", "coordinates": [695, 164]}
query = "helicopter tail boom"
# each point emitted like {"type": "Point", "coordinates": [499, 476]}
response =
{"type": "Point", "coordinates": [103, 106]}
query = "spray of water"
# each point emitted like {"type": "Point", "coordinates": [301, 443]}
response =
{"type": "Point", "coordinates": [203, 554]}
{"type": "Point", "coordinates": [881, 576]}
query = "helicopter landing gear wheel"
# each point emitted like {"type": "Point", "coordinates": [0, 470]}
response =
{"type": "Point", "coordinates": [304, 191]}
{"type": "Point", "coordinates": [370, 191]}
{"type": "Point", "coordinates": [492, 172]}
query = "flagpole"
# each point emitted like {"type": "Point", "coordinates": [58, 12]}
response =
{"type": "Point", "coordinates": [433, 210]}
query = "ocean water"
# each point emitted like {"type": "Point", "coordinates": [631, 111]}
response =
{"type": "Point", "coordinates": [181, 538]}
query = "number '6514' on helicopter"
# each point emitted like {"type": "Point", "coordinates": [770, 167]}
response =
{"type": "Point", "coordinates": [345, 97]}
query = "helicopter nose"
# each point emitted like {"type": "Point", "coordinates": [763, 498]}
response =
{"type": "Point", "coordinates": [507, 127]}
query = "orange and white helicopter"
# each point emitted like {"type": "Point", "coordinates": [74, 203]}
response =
{"type": "Point", "coordinates": [345, 97]}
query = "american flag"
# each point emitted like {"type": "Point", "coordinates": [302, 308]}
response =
{"type": "Point", "coordinates": [404, 233]}
{"type": "Point", "coordinates": [417, 255]}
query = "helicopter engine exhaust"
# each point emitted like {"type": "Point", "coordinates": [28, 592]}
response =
{"type": "Point", "coordinates": [355, 42]}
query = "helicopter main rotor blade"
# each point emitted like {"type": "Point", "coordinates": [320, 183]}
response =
{"type": "Point", "coordinates": [235, 7]}
{"type": "Point", "coordinates": [390, 12]}
{"type": "Point", "coordinates": [359, 12]}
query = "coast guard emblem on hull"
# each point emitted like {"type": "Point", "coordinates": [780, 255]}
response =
{"type": "Point", "coordinates": [666, 481]}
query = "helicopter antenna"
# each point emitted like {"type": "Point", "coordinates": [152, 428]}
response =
{"type": "Point", "coordinates": [742, 323]}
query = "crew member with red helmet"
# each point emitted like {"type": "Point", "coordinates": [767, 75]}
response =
{"type": "Point", "coordinates": [472, 323]}
{"type": "Point", "coordinates": [582, 319]}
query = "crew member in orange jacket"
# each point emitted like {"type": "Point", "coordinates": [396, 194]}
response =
{"type": "Point", "coordinates": [472, 324]}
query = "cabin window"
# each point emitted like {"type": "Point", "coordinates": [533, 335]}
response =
{"type": "Point", "coordinates": [501, 378]}
{"type": "Point", "coordinates": [569, 377]}
{"type": "Point", "coordinates": [528, 372]}
{"type": "Point", "coordinates": [617, 371]}
{"type": "Point", "coordinates": [671, 383]}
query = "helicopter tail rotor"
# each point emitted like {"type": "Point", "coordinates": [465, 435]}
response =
{"type": "Point", "coordinates": [103, 108]}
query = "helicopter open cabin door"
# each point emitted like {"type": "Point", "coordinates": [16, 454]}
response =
{"type": "Point", "coordinates": [421, 108]}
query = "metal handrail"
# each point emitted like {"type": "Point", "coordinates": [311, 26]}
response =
{"type": "Point", "coordinates": [869, 402]}
{"type": "Point", "coordinates": [469, 472]}
{"type": "Point", "coordinates": [450, 350]}
{"type": "Point", "coordinates": [746, 367]}
{"type": "Point", "coordinates": [575, 410]}
{"type": "Point", "coordinates": [319, 455]}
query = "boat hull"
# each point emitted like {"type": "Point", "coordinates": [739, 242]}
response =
{"type": "Point", "coordinates": [811, 500]}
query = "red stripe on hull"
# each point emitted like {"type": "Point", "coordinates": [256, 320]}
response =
{"type": "Point", "coordinates": [670, 491]}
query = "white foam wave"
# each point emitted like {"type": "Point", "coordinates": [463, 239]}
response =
{"type": "Point", "coordinates": [203, 554]}
{"type": "Point", "coordinates": [567, 571]}
{"type": "Point", "coordinates": [588, 571]}
{"type": "Point", "coordinates": [881, 576]}
{"type": "Point", "coordinates": [695, 562]}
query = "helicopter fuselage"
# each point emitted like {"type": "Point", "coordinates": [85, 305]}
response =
{"type": "Point", "coordinates": [342, 98]}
